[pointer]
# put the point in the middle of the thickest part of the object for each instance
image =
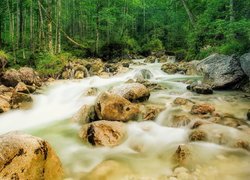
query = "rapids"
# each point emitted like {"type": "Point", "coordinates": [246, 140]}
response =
{"type": "Point", "coordinates": [148, 149]}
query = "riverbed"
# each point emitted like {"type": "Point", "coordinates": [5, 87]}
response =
{"type": "Point", "coordinates": [149, 148]}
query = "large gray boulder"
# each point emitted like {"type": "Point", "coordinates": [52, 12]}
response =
{"type": "Point", "coordinates": [245, 63]}
{"type": "Point", "coordinates": [221, 71]}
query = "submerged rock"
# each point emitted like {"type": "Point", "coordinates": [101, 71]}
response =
{"type": "Point", "coordinates": [202, 109]}
{"type": "Point", "coordinates": [85, 114]}
{"type": "Point", "coordinates": [221, 71]}
{"type": "Point", "coordinates": [103, 133]}
{"type": "Point", "coordinates": [115, 108]}
{"type": "Point", "coordinates": [151, 111]}
{"type": "Point", "coordinates": [200, 88]}
{"type": "Point", "coordinates": [26, 157]}
{"type": "Point", "coordinates": [182, 155]}
{"type": "Point", "coordinates": [143, 74]}
{"type": "Point", "coordinates": [169, 68]}
{"type": "Point", "coordinates": [180, 101]}
{"type": "Point", "coordinates": [134, 92]}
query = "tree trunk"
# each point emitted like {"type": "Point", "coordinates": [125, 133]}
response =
{"type": "Point", "coordinates": [97, 28]}
{"type": "Point", "coordinates": [50, 27]}
{"type": "Point", "coordinates": [189, 13]}
{"type": "Point", "coordinates": [231, 10]}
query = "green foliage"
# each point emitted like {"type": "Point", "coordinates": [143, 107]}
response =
{"type": "Point", "coordinates": [51, 65]}
{"type": "Point", "coordinates": [153, 46]}
{"type": "Point", "coordinates": [4, 55]}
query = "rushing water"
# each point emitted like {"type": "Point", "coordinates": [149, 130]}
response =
{"type": "Point", "coordinates": [149, 147]}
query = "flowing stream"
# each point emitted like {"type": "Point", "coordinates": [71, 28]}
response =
{"type": "Point", "coordinates": [149, 147]}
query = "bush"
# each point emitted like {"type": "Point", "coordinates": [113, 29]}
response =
{"type": "Point", "coordinates": [3, 59]}
{"type": "Point", "coordinates": [50, 65]}
{"type": "Point", "coordinates": [154, 45]}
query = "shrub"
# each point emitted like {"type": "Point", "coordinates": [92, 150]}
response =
{"type": "Point", "coordinates": [50, 65]}
{"type": "Point", "coordinates": [154, 45]}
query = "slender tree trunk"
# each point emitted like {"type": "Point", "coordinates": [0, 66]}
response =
{"type": "Point", "coordinates": [31, 29]}
{"type": "Point", "coordinates": [41, 31]}
{"type": "Point", "coordinates": [189, 13]}
{"type": "Point", "coordinates": [58, 44]}
{"type": "Point", "coordinates": [50, 27]}
{"type": "Point", "coordinates": [97, 28]}
{"type": "Point", "coordinates": [11, 17]}
{"type": "Point", "coordinates": [231, 10]}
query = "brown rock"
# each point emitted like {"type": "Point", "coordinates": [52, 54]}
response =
{"type": "Point", "coordinates": [11, 78]}
{"type": "Point", "coordinates": [26, 157]}
{"type": "Point", "coordinates": [115, 108]}
{"type": "Point", "coordinates": [182, 155]}
{"type": "Point", "coordinates": [103, 133]}
{"type": "Point", "coordinates": [202, 109]}
{"type": "Point", "coordinates": [21, 87]}
{"type": "Point", "coordinates": [180, 120]}
{"type": "Point", "coordinates": [29, 76]}
{"type": "Point", "coordinates": [198, 135]}
{"type": "Point", "coordinates": [150, 112]}
{"type": "Point", "coordinates": [134, 92]}
{"type": "Point", "coordinates": [20, 100]}
{"type": "Point", "coordinates": [86, 114]}
{"type": "Point", "coordinates": [180, 101]}
{"type": "Point", "coordinates": [4, 105]}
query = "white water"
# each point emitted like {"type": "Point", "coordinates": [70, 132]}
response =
{"type": "Point", "coordinates": [149, 146]}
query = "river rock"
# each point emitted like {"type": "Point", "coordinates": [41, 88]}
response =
{"type": "Point", "coordinates": [96, 67]}
{"type": "Point", "coordinates": [85, 114]}
{"type": "Point", "coordinates": [151, 59]}
{"type": "Point", "coordinates": [143, 74]}
{"type": "Point", "coordinates": [29, 76]}
{"type": "Point", "coordinates": [134, 92]}
{"type": "Point", "coordinates": [221, 71]}
{"type": "Point", "coordinates": [200, 88]}
{"type": "Point", "coordinates": [202, 109]}
{"type": "Point", "coordinates": [19, 100]}
{"type": "Point", "coordinates": [103, 133]}
{"type": "Point", "coordinates": [26, 157]}
{"type": "Point", "coordinates": [151, 111]}
{"type": "Point", "coordinates": [115, 108]}
{"type": "Point", "coordinates": [180, 101]}
{"type": "Point", "coordinates": [182, 155]}
{"type": "Point", "coordinates": [245, 63]}
{"type": "Point", "coordinates": [4, 105]}
{"type": "Point", "coordinates": [11, 78]}
{"type": "Point", "coordinates": [169, 68]}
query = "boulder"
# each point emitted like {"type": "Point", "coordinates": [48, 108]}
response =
{"type": "Point", "coordinates": [26, 157]}
{"type": "Point", "coordinates": [19, 100]}
{"type": "Point", "coordinates": [151, 59]}
{"type": "Point", "coordinates": [11, 78]}
{"type": "Point", "coordinates": [245, 63]}
{"type": "Point", "coordinates": [86, 114]}
{"type": "Point", "coordinates": [4, 105]}
{"type": "Point", "coordinates": [115, 108]}
{"type": "Point", "coordinates": [134, 92]}
{"type": "Point", "coordinates": [143, 74]}
{"type": "Point", "coordinates": [221, 71]}
{"type": "Point", "coordinates": [180, 120]}
{"type": "Point", "coordinates": [29, 76]}
{"type": "Point", "coordinates": [96, 67]}
{"type": "Point", "coordinates": [202, 109]}
{"type": "Point", "coordinates": [200, 88]}
{"type": "Point", "coordinates": [21, 87]}
{"type": "Point", "coordinates": [103, 133]}
{"type": "Point", "coordinates": [26, 75]}
{"type": "Point", "coordinates": [6, 93]}
{"type": "Point", "coordinates": [169, 68]}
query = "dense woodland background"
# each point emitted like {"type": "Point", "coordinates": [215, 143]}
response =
{"type": "Point", "coordinates": [38, 32]}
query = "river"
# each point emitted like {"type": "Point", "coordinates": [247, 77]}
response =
{"type": "Point", "coordinates": [149, 147]}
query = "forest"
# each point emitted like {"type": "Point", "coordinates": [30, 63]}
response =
{"type": "Point", "coordinates": [125, 89]}
{"type": "Point", "coordinates": [34, 32]}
